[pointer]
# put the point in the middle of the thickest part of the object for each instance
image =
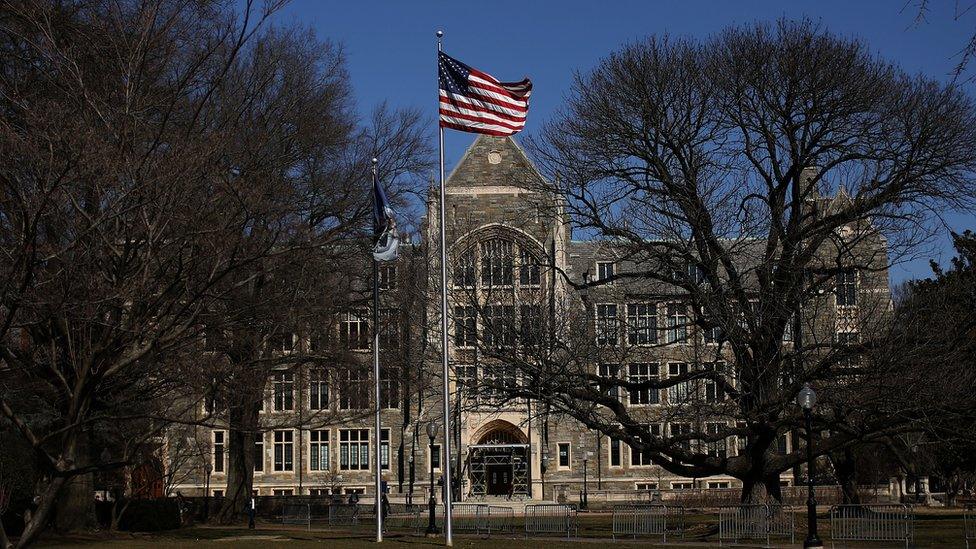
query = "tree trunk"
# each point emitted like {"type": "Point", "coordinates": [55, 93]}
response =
{"type": "Point", "coordinates": [75, 508]}
{"type": "Point", "coordinates": [761, 489]}
{"type": "Point", "coordinates": [243, 424]}
{"type": "Point", "coordinates": [48, 496]}
{"type": "Point", "coordinates": [845, 467]}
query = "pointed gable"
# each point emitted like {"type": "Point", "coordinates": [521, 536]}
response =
{"type": "Point", "coordinates": [494, 162]}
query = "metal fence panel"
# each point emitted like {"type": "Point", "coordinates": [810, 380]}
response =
{"type": "Point", "coordinates": [892, 522]}
{"type": "Point", "coordinates": [551, 518]}
{"type": "Point", "coordinates": [757, 521]}
{"type": "Point", "coordinates": [501, 520]}
{"type": "Point", "coordinates": [469, 517]}
{"type": "Point", "coordinates": [647, 519]}
{"type": "Point", "coordinates": [296, 513]}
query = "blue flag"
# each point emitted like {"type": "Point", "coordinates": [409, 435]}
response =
{"type": "Point", "coordinates": [385, 237]}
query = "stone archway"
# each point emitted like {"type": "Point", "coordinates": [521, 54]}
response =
{"type": "Point", "coordinates": [499, 431]}
{"type": "Point", "coordinates": [499, 460]}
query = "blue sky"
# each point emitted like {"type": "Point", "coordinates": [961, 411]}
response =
{"type": "Point", "coordinates": [390, 47]}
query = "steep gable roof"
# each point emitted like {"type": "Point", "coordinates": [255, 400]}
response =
{"type": "Point", "coordinates": [494, 162]}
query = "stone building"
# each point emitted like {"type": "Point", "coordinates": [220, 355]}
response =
{"type": "Point", "coordinates": [503, 235]}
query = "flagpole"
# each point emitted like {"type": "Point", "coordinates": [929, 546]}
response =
{"type": "Point", "coordinates": [376, 386]}
{"type": "Point", "coordinates": [446, 458]}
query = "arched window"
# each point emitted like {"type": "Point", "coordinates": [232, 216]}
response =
{"type": "Point", "coordinates": [497, 262]}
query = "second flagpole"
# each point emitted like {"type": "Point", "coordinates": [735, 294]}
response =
{"type": "Point", "coordinates": [446, 459]}
{"type": "Point", "coordinates": [378, 436]}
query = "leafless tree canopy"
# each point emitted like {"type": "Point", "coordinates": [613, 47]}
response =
{"type": "Point", "coordinates": [747, 174]}
{"type": "Point", "coordinates": [170, 171]}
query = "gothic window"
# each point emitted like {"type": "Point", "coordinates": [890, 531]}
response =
{"type": "Point", "coordinates": [354, 330]}
{"type": "Point", "coordinates": [464, 270]}
{"type": "Point", "coordinates": [464, 327]}
{"type": "Point", "coordinates": [846, 287]}
{"type": "Point", "coordinates": [529, 271]}
{"type": "Point", "coordinates": [497, 263]}
{"type": "Point", "coordinates": [639, 373]}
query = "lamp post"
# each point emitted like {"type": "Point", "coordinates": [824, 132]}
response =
{"type": "Point", "coordinates": [431, 503]}
{"type": "Point", "coordinates": [543, 466]}
{"type": "Point", "coordinates": [207, 469]}
{"type": "Point", "coordinates": [410, 489]}
{"type": "Point", "coordinates": [807, 399]}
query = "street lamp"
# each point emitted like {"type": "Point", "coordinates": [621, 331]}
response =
{"type": "Point", "coordinates": [410, 489]}
{"type": "Point", "coordinates": [543, 466]}
{"type": "Point", "coordinates": [807, 399]}
{"type": "Point", "coordinates": [432, 503]}
{"type": "Point", "coordinates": [586, 457]}
{"type": "Point", "coordinates": [207, 469]}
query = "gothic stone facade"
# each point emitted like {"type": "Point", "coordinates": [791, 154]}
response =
{"type": "Point", "coordinates": [501, 451]}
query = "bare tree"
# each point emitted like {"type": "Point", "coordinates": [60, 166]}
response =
{"type": "Point", "coordinates": [704, 170]}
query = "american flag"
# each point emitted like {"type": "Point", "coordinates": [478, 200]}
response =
{"type": "Point", "coordinates": [473, 101]}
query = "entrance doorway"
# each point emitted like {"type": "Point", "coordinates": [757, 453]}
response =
{"type": "Point", "coordinates": [499, 480]}
{"type": "Point", "coordinates": [499, 461]}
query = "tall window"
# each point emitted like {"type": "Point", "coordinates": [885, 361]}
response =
{"type": "Point", "coordinates": [497, 262]}
{"type": "Point", "coordinates": [604, 270]}
{"type": "Point", "coordinates": [219, 447]}
{"type": "Point", "coordinates": [845, 340]}
{"type": "Point", "coordinates": [389, 328]}
{"type": "Point", "coordinates": [641, 323]}
{"type": "Point", "coordinates": [354, 449]}
{"type": "Point", "coordinates": [530, 324]}
{"type": "Point", "coordinates": [498, 381]}
{"type": "Point", "coordinates": [354, 330]}
{"type": "Point", "coordinates": [563, 450]}
{"type": "Point", "coordinates": [318, 389]}
{"type": "Point", "coordinates": [715, 391]}
{"type": "Point", "coordinates": [678, 392]}
{"type": "Point", "coordinates": [387, 276]}
{"type": "Point", "coordinates": [640, 458]}
{"type": "Point", "coordinates": [716, 448]}
{"type": "Point", "coordinates": [847, 287]}
{"type": "Point", "coordinates": [318, 450]}
{"type": "Point", "coordinates": [607, 328]}
{"type": "Point", "coordinates": [500, 328]}
{"type": "Point", "coordinates": [284, 391]}
{"type": "Point", "coordinates": [284, 450]}
{"type": "Point", "coordinates": [464, 327]}
{"type": "Point", "coordinates": [467, 379]}
{"type": "Point", "coordinates": [464, 270]}
{"type": "Point", "coordinates": [259, 452]}
{"type": "Point", "coordinates": [528, 269]}
{"type": "Point", "coordinates": [385, 449]}
{"type": "Point", "coordinates": [389, 387]}
{"type": "Point", "coordinates": [677, 323]}
{"type": "Point", "coordinates": [614, 445]}
{"type": "Point", "coordinates": [639, 373]}
{"type": "Point", "coordinates": [353, 390]}
{"type": "Point", "coordinates": [679, 430]}
{"type": "Point", "coordinates": [610, 372]}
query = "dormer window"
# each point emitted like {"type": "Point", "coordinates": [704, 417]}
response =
{"type": "Point", "coordinates": [604, 270]}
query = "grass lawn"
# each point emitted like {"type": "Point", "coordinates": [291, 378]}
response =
{"type": "Point", "coordinates": [932, 529]}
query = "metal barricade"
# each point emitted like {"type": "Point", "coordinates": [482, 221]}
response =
{"type": "Point", "coordinates": [757, 521]}
{"type": "Point", "coordinates": [501, 520]}
{"type": "Point", "coordinates": [551, 518]}
{"type": "Point", "coordinates": [647, 519]}
{"type": "Point", "coordinates": [403, 518]}
{"type": "Point", "coordinates": [296, 513]}
{"type": "Point", "coordinates": [890, 522]}
{"type": "Point", "coordinates": [969, 518]}
{"type": "Point", "coordinates": [469, 518]}
{"type": "Point", "coordinates": [343, 514]}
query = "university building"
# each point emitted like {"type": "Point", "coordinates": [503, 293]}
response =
{"type": "Point", "coordinates": [502, 235]}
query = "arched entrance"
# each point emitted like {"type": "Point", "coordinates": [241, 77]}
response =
{"type": "Point", "coordinates": [499, 460]}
